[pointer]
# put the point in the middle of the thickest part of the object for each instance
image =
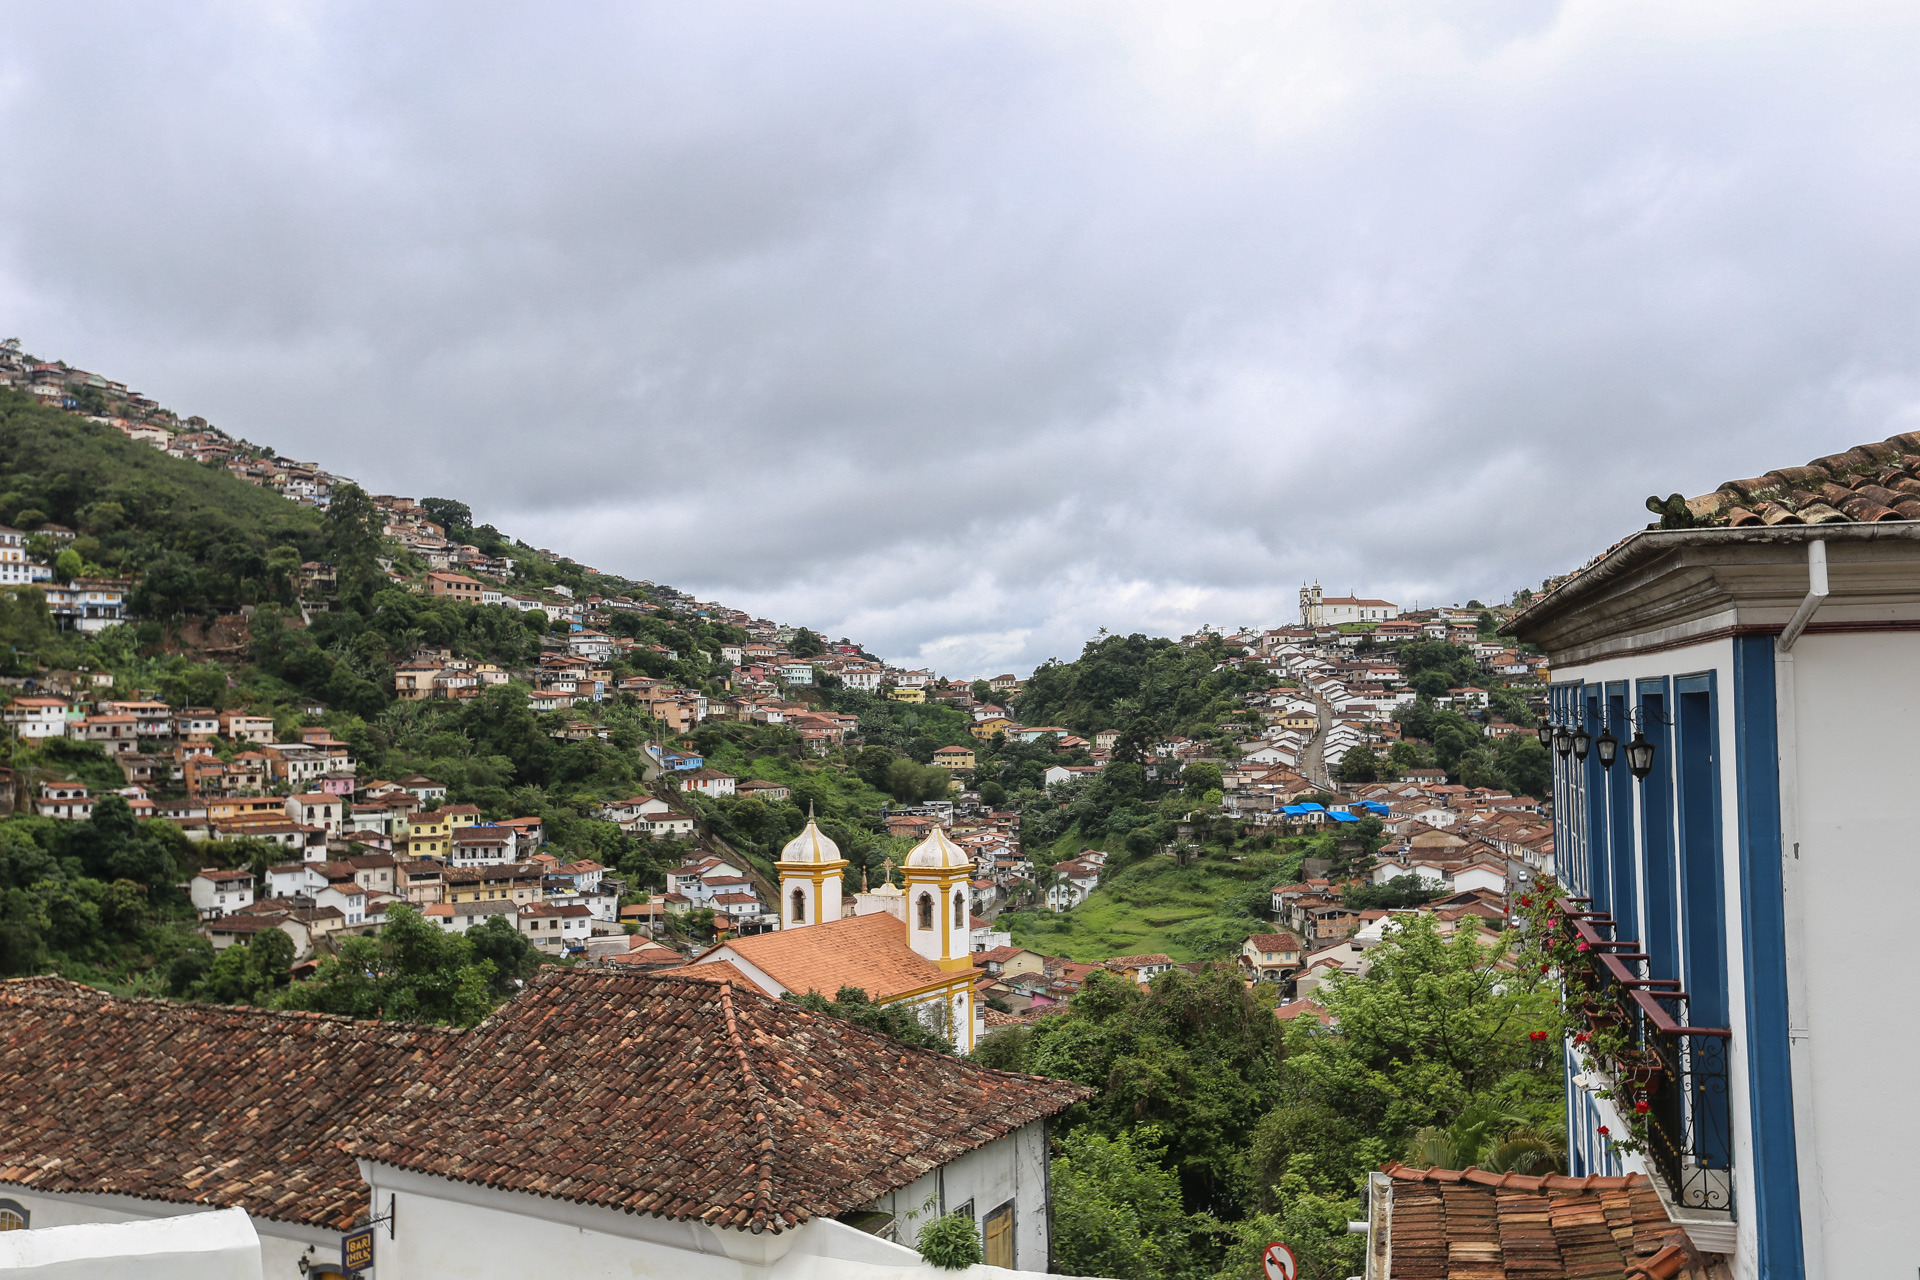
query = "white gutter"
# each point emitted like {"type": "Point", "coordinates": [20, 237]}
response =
{"type": "Point", "coordinates": [1816, 595]}
{"type": "Point", "coordinates": [1799, 1028]}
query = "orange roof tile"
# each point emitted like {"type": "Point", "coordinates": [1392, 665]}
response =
{"type": "Point", "coordinates": [869, 952]}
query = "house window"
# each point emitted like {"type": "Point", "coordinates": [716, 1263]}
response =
{"type": "Point", "coordinates": [799, 906]}
{"type": "Point", "coordinates": [926, 911]}
{"type": "Point", "coordinates": [959, 910]}
{"type": "Point", "coordinates": [14, 1216]}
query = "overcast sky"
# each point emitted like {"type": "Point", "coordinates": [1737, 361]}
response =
{"type": "Point", "coordinates": [969, 329]}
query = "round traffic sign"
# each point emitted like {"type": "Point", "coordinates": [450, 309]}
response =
{"type": "Point", "coordinates": [1278, 1262]}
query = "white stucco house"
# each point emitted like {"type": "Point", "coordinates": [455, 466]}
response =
{"type": "Point", "coordinates": [731, 1136]}
{"type": "Point", "coordinates": [1751, 685]}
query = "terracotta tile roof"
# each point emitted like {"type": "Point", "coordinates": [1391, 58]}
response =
{"type": "Point", "coordinates": [1869, 482]}
{"type": "Point", "coordinates": [869, 952]}
{"type": "Point", "coordinates": [1275, 942]}
{"type": "Point", "coordinates": [696, 1100]}
{"type": "Point", "coordinates": [194, 1104]}
{"type": "Point", "coordinates": [1447, 1223]}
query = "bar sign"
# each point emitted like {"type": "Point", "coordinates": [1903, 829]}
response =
{"type": "Point", "coordinates": [356, 1251]}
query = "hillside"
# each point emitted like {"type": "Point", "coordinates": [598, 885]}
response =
{"type": "Point", "coordinates": [258, 585]}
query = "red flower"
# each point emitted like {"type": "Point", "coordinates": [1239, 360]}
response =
{"type": "Point", "coordinates": [1641, 1108]}
{"type": "Point", "coordinates": [1581, 1038]}
{"type": "Point", "coordinates": [1536, 1035]}
{"type": "Point", "coordinates": [1525, 901]}
{"type": "Point", "coordinates": [1603, 1131]}
{"type": "Point", "coordinates": [1581, 946]}
{"type": "Point", "coordinates": [1543, 968]}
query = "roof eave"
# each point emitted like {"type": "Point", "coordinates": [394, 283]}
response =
{"type": "Point", "coordinates": [1647, 544]}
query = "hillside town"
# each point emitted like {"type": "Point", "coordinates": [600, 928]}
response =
{"type": "Point", "coordinates": [1362, 774]}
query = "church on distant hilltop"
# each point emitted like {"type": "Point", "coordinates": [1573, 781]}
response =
{"type": "Point", "coordinates": [1317, 610]}
{"type": "Point", "coordinates": [906, 946]}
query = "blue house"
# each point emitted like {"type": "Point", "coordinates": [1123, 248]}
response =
{"type": "Point", "coordinates": [1736, 822]}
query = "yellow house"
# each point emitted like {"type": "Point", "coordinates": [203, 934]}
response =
{"type": "Point", "coordinates": [908, 695]}
{"type": "Point", "coordinates": [494, 884]}
{"type": "Point", "coordinates": [428, 834]}
{"type": "Point", "coordinates": [959, 759]}
{"type": "Point", "coordinates": [985, 729]}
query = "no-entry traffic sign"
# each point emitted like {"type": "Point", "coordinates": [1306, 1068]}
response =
{"type": "Point", "coordinates": [1278, 1262]}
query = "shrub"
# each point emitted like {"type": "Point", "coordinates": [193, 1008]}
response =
{"type": "Point", "coordinates": [952, 1242]}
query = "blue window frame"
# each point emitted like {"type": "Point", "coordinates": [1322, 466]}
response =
{"type": "Point", "coordinates": [1659, 870]}
{"type": "Point", "coordinates": [1569, 848]}
{"type": "Point", "coordinates": [1622, 881]}
{"type": "Point", "coordinates": [1696, 729]}
{"type": "Point", "coordinates": [1594, 784]}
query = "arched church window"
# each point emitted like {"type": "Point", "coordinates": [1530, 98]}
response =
{"type": "Point", "coordinates": [959, 910]}
{"type": "Point", "coordinates": [926, 911]}
{"type": "Point", "coordinates": [799, 906]}
{"type": "Point", "coordinates": [14, 1216]}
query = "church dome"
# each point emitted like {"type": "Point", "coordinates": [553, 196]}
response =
{"type": "Point", "coordinates": [939, 852]}
{"type": "Point", "coordinates": [811, 845]}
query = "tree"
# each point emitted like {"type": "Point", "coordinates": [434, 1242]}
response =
{"type": "Point", "coordinates": [245, 974]}
{"type": "Point", "coordinates": [981, 691]}
{"type": "Point", "coordinates": [452, 515]}
{"type": "Point", "coordinates": [68, 565]}
{"type": "Point", "coordinates": [1117, 1207]}
{"type": "Point", "coordinates": [1197, 1054]}
{"type": "Point", "coordinates": [353, 540]}
{"type": "Point", "coordinates": [1200, 777]}
{"type": "Point", "coordinates": [511, 953]}
{"type": "Point", "coordinates": [1436, 1023]}
{"type": "Point", "coordinates": [411, 971]}
{"type": "Point", "coordinates": [1359, 765]}
{"type": "Point", "coordinates": [806, 644]}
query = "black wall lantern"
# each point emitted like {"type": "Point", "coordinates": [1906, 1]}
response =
{"type": "Point", "coordinates": [1562, 740]}
{"type": "Point", "coordinates": [1606, 746]}
{"type": "Point", "coordinates": [1582, 743]}
{"type": "Point", "coordinates": [1545, 731]}
{"type": "Point", "coordinates": [1639, 755]}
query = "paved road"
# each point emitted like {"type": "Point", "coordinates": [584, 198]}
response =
{"type": "Point", "coordinates": [1313, 766]}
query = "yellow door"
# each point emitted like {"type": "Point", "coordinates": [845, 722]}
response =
{"type": "Point", "coordinates": [999, 1237]}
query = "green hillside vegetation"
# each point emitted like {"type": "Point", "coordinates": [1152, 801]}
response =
{"type": "Point", "coordinates": [1147, 688]}
{"type": "Point", "coordinates": [1199, 902]}
{"type": "Point", "coordinates": [202, 540]}
{"type": "Point", "coordinates": [208, 548]}
{"type": "Point", "coordinates": [1216, 1129]}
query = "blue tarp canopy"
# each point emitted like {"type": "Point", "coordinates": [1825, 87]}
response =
{"type": "Point", "coordinates": [1310, 807]}
{"type": "Point", "coordinates": [1343, 817]}
{"type": "Point", "coordinates": [1374, 806]}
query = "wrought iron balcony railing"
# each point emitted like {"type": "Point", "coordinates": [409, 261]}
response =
{"type": "Point", "coordinates": [1640, 1035]}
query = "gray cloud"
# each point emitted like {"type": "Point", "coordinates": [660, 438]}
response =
{"type": "Point", "coordinates": [967, 329]}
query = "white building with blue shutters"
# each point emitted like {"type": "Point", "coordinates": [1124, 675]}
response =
{"type": "Point", "coordinates": [1742, 876]}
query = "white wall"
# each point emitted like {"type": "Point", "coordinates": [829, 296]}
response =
{"type": "Point", "coordinates": [281, 1244]}
{"type": "Point", "coordinates": [202, 1246]}
{"type": "Point", "coordinates": [1856, 705]}
{"type": "Point", "coordinates": [457, 1231]}
{"type": "Point", "coordinates": [1013, 1167]}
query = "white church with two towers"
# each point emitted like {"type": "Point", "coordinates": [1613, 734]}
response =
{"type": "Point", "coordinates": [902, 945]}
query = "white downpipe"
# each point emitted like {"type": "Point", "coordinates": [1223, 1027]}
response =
{"type": "Point", "coordinates": [1799, 1025]}
{"type": "Point", "coordinates": [1816, 595]}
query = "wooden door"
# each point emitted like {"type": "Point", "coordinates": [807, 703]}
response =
{"type": "Point", "coordinates": [999, 1237]}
